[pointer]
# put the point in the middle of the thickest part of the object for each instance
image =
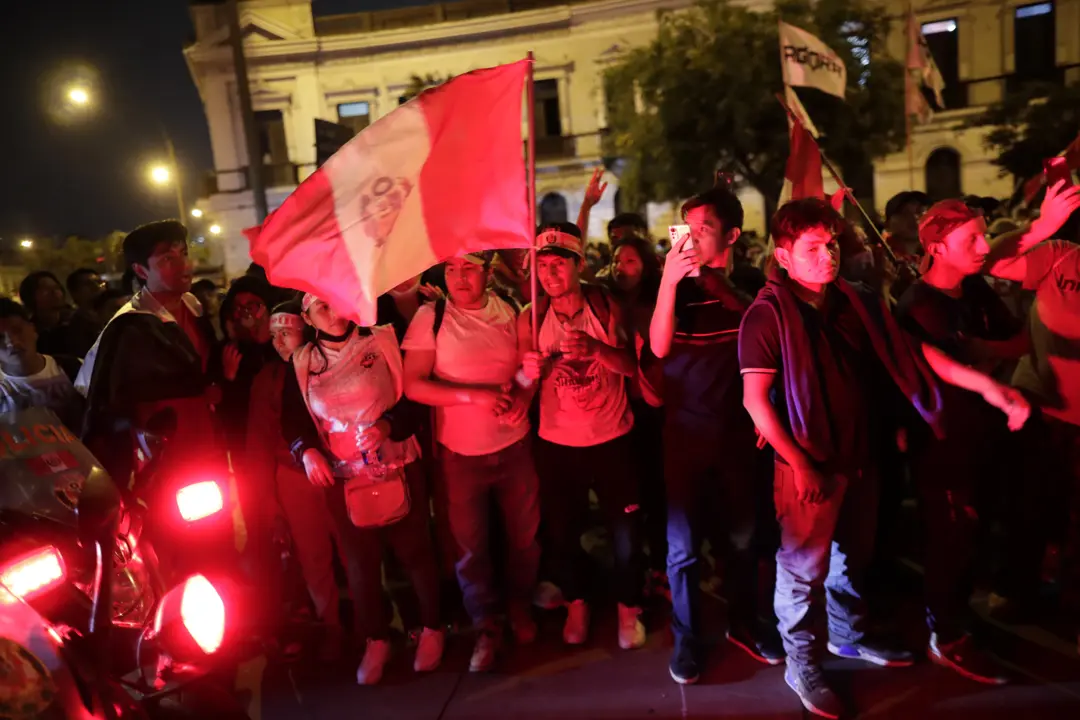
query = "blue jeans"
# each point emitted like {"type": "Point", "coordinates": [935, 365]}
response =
{"type": "Point", "coordinates": [710, 495]}
{"type": "Point", "coordinates": [470, 481]}
{"type": "Point", "coordinates": [824, 550]}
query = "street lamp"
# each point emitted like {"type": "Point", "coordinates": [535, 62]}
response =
{"type": "Point", "coordinates": [26, 243]}
{"type": "Point", "coordinates": [196, 213]}
{"type": "Point", "coordinates": [159, 175]}
{"type": "Point", "coordinates": [78, 96]}
{"type": "Point", "coordinates": [215, 229]}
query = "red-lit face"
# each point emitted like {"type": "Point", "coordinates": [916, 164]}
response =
{"type": "Point", "coordinates": [558, 275]}
{"type": "Point", "coordinates": [251, 319]}
{"type": "Point", "coordinates": [813, 259]}
{"type": "Point", "coordinates": [708, 234]}
{"type": "Point", "coordinates": [169, 269]}
{"type": "Point", "coordinates": [323, 318]}
{"type": "Point", "coordinates": [964, 249]}
{"type": "Point", "coordinates": [466, 281]}
{"type": "Point", "coordinates": [627, 267]}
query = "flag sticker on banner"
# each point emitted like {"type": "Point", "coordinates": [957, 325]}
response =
{"type": "Point", "coordinates": [808, 62]}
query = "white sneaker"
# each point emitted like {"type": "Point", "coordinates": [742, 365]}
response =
{"type": "Point", "coordinates": [483, 654]}
{"type": "Point", "coordinates": [371, 667]}
{"type": "Point", "coordinates": [576, 628]}
{"type": "Point", "coordinates": [548, 596]}
{"type": "Point", "coordinates": [429, 650]}
{"type": "Point", "coordinates": [631, 630]}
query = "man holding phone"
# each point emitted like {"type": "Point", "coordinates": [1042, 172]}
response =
{"type": "Point", "coordinates": [709, 445]}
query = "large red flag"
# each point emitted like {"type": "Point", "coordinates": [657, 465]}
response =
{"type": "Point", "coordinates": [802, 174]}
{"type": "Point", "coordinates": [439, 176]}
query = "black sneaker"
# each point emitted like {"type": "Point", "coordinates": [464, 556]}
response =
{"type": "Point", "coordinates": [762, 645]}
{"type": "Point", "coordinates": [808, 682]}
{"type": "Point", "coordinates": [963, 657]}
{"type": "Point", "coordinates": [873, 653]}
{"type": "Point", "coordinates": [684, 665]}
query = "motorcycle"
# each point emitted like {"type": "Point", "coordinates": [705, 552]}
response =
{"type": "Point", "coordinates": [85, 601]}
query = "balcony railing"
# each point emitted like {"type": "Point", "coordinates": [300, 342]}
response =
{"type": "Point", "coordinates": [274, 175]}
{"type": "Point", "coordinates": [555, 147]}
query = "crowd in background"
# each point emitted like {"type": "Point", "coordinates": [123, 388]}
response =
{"type": "Point", "coordinates": [730, 393]}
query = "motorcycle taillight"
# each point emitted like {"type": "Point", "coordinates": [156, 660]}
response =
{"type": "Point", "coordinates": [34, 573]}
{"type": "Point", "coordinates": [199, 500]}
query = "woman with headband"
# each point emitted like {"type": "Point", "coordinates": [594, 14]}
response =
{"type": "Point", "coordinates": [301, 503]}
{"type": "Point", "coordinates": [366, 456]}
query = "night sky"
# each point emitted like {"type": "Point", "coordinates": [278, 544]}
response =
{"type": "Point", "coordinates": [86, 174]}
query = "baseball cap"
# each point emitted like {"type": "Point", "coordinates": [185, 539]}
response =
{"type": "Point", "coordinates": [482, 257]}
{"type": "Point", "coordinates": [552, 239]}
{"type": "Point", "coordinates": [944, 217]}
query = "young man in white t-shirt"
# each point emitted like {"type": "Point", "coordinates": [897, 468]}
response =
{"type": "Point", "coordinates": [30, 379]}
{"type": "Point", "coordinates": [461, 357]}
{"type": "Point", "coordinates": [585, 420]}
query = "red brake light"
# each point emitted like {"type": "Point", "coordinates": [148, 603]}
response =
{"type": "Point", "coordinates": [200, 500]}
{"type": "Point", "coordinates": [203, 613]}
{"type": "Point", "coordinates": [34, 573]}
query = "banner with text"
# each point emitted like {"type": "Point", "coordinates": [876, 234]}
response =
{"type": "Point", "coordinates": [808, 62]}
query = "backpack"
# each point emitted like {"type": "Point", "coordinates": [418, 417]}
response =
{"type": "Point", "coordinates": [440, 308]}
{"type": "Point", "coordinates": [597, 297]}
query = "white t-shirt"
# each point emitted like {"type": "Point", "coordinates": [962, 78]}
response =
{"type": "Point", "coordinates": [582, 403]}
{"type": "Point", "coordinates": [50, 388]}
{"type": "Point", "coordinates": [473, 347]}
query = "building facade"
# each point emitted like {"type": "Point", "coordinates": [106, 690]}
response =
{"type": "Point", "coordinates": [353, 69]}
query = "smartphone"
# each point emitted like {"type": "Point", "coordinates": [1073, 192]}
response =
{"type": "Point", "coordinates": [680, 238]}
{"type": "Point", "coordinates": [1056, 169]}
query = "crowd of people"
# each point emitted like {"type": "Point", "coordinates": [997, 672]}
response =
{"type": "Point", "coordinates": [772, 407]}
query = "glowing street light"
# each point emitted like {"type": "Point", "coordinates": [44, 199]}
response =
{"type": "Point", "coordinates": [160, 175]}
{"type": "Point", "coordinates": [26, 243]}
{"type": "Point", "coordinates": [215, 229]}
{"type": "Point", "coordinates": [196, 213]}
{"type": "Point", "coordinates": [78, 96]}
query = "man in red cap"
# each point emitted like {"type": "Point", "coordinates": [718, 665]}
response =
{"type": "Point", "coordinates": [952, 309]}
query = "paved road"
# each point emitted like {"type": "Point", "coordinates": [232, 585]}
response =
{"type": "Point", "coordinates": [599, 680]}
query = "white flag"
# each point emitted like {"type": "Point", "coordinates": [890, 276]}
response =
{"type": "Point", "coordinates": [808, 62]}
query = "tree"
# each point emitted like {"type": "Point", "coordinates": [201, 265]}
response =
{"type": "Point", "coordinates": [706, 89]}
{"type": "Point", "coordinates": [1030, 126]}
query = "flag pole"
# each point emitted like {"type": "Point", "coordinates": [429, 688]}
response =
{"type": "Point", "coordinates": [530, 180]}
{"type": "Point", "coordinates": [908, 92]}
{"type": "Point", "coordinates": [843, 186]}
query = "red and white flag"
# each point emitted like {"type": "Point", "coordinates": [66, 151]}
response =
{"type": "Point", "coordinates": [923, 72]}
{"type": "Point", "coordinates": [802, 174]}
{"type": "Point", "coordinates": [440, 176]}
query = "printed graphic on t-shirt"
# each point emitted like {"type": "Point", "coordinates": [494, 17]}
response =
{"type": "Point", "coordinates": [580, 384]}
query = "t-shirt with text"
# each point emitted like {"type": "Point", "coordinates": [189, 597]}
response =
{"type": "Point", "coordinates": [473, 347]}
{"type": "Point", "coordinates": [582, 403]}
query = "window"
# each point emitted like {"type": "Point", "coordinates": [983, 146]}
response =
{"type": "Point", "coordinates": [943, 174]}
{"type": "Point", "coordinates": [1034, 43]}
{"type": "Point", "coordinates": [272, 145]}
{"type": "Point", "coordinates": [943, 43]}
{"type": "Point", "coordinates": [546, 108]}
{"type": "Point", "coordinates": [355, 115]}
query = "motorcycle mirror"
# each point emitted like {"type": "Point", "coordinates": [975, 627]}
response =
{"type": "Point", "coordinates": [162, 423]}
{"type": "Point", "coordinates": [98, 509]}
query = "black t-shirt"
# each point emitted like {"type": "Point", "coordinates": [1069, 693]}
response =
{"type": "Point", "coordinates": [702, 385]}
{"type": "Point", "coordinates": [842, 359]}
{"type": "Point", "coordinates": [949, 324]}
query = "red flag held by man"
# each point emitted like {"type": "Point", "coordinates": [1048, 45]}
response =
{"type": "Point", "coordinates": [440, 176]}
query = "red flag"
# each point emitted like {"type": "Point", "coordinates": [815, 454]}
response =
{"type": "Point", "coordinates": [802, 174]}
{"type": "Point", "coordinates": [439, 176]}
